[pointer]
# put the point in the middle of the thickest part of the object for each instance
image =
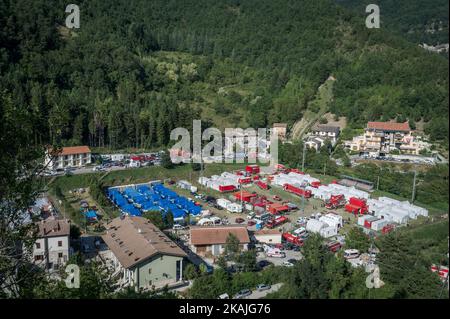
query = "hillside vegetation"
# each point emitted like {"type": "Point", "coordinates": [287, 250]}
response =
{"type": "Point", "coordinates": [136, 69]}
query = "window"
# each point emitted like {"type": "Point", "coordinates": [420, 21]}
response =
{"type": "Point", "coordinates": [38, 245]}
{"type": "Point", "coordinates": [38, 257]}
{"type": "Point", "coordinates": [60, 255]}
{"type": "Point", "coordinates": [59, 243]}
{"type": "Point", "coordinates": [149, 271]}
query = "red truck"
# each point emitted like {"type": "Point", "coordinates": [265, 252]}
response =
{"type": "Point", "coordinates": [333, 246]}
{"type": "Point", "coordinates": [290, 238]}
{"type": "Point", "coordinates": [335, 201]}
{"type": "Point", "coordinates": [262, 185]}
{"type": "Point", "coordinates": [252, 169]}
{"type": "Point", "coordinates": [277, 221]}
{"type": "Point", "coordinates": [357, 206]}
{"type": "Point", "coordinates": [297, 190]}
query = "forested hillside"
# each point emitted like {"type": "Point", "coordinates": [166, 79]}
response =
{"type": "Point", "coordinates": [136, 69]}
{"type": "Point", "coordinates": [420, 21]}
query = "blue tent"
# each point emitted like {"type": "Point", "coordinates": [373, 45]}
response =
{"type": "Point", "coordinates": [130, 209]}
{"type": "Point", "coordinates": [91, 214]}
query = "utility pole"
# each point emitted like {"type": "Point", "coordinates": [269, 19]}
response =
{"type": "Point", "coordinates": [303, 157]}
{"type": "Point", "coordinates": [414, 187]}
{"type": "Point", "coordinates": [378, 182]}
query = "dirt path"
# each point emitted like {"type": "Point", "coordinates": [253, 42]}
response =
{"type": "Point", "coordinates": [320, 103]}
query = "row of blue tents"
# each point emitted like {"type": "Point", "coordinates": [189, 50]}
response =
{"type": "Point", "coordinates": [134, 201]}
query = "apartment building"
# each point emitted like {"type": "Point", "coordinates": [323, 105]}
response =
{"type": "Point", "coordinates": [75, 156]}
{"type": "Point", "coordinates": [381, 138]}
{"type": "Point", "coordinates": [141, 255]}
{"type": "Point", "coordinates": [51, 249]}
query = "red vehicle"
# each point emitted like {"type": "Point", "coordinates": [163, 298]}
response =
{"type": "Point", "coordinates": [239, 220]}
{"type": "Point", "coordinates": [226, 188]}
{"type": "Point", "coordinates": [262, 185]}
{"type": "Point", "coordinates": [279, 246]}
{"type": "Point", "coordinates": [315, 184]}
{"type": "Point", "coordinates": [357, 206]}
{"type": "Point", "coordinates": [290, 238]}
{"type": "Point", "coordinates": [252, 169]}
{"type": "Point", "coordinates": [335, 201]}
{"type": "Point", "coordinates": [276, 222]}
{"type": "Point", "coordinates": [333, 246]}
{"type": "Point", "coordinates": [297, 190]}
{"type": "Point", "coordinates": [387, 229]}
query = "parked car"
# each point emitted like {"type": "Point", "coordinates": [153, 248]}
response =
{"type": "Point", "coordinates": [239, 220]}
{"type": "Point", "coordinates": [287, 264]}
{"type": "Point", "coordinates": [262, 287]}
{"type": "Point", "coordinates": [224, 296]}
{"type": "Point", "coordinates": [178, 227]}
{"type": "Point", "coordinates": [243, 293]}
{"type": "Point", "coordinates": [292, 261]}
{"type": "Point", "coordinates": [277, 198]}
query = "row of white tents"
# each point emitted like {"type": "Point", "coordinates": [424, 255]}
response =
{"type": "Point", "coordinates": [216, 181]}
{"type": "Point", "coordinates": [324, 192]}
{"type": "Point", "coordinates": [394, 210]}
{"type": "Point", "coordinates": [293, 179]}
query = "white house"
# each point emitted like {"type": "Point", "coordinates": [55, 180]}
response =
{"type": "Point", "coordinates": [51, 249]}
{"type": "Point", "coordinates": [268, 236]}
{"type": "Point", "coordinates": [75, 156]}
{"type": "Point", "coordinates": [326, 132]}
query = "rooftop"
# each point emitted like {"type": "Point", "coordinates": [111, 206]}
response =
{"type": "Point", "coordinates": [389, 126]}
{"type": "Point", "coordinates": [210, 235]}
{"type": "Point", "coordinates": [326, 128]}
{"type": "Point", "coordinates": [135, 239]}
{"type": "Point", "coordinates": [71, 150]}
{"type": "Point", "coordinates": [53, 228]}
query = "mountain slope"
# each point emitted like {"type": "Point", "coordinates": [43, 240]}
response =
{"type": "Point", "coordinates": [98, 88]}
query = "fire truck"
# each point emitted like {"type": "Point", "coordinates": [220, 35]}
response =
{"type": "Point", "coordinates": [335, 201]}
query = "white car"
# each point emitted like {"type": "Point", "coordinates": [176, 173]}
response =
{"type": "Point", "coordinates": [177, 227]}
{"type": "Point", "coordinates": [287, 264]}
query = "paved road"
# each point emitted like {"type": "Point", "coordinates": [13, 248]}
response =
{"type": "Point", "coordinates": [261, 294]}
{"type": "Point", "coordinates": [290, 254]}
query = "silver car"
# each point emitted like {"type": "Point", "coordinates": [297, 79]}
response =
{"type": "Point", "coordinates": [262, 287]}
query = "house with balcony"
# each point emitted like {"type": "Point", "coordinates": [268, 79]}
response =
{"type": "Point", "coordinates": [74, 156]}
{"type": "Point", "coordinates": [381, 138]}
{"type": "Point", "coordinates": [52, 246]}
{"type": "Point", "coordinates": [140, 255]}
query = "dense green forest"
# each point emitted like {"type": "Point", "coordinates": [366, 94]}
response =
{"type": "Point", "coordinates": [136, 69]}
{"type": "Point", "coordinates": [420, 21]}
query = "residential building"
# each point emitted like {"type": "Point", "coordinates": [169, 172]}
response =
{"type": "Point", "coordinates": [211, 240]}
{"type": "Point", "coordinates": [51, 249]}
{"type": "Point", "coordinates": [329, 132]}
{"type": "Point", "coordinates": [314, 142]}
{"type": "Point", "coordinates": [74, 156]}
{"type": "Point", "coordinates": [141, 255]}
{"type": "Point", "coordinates": [381, 138]}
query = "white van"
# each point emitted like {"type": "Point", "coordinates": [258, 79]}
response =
{"type": "Point", "coordinates": [224, 296]}
{"type": "Point", "coordinates": [351, 253]}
